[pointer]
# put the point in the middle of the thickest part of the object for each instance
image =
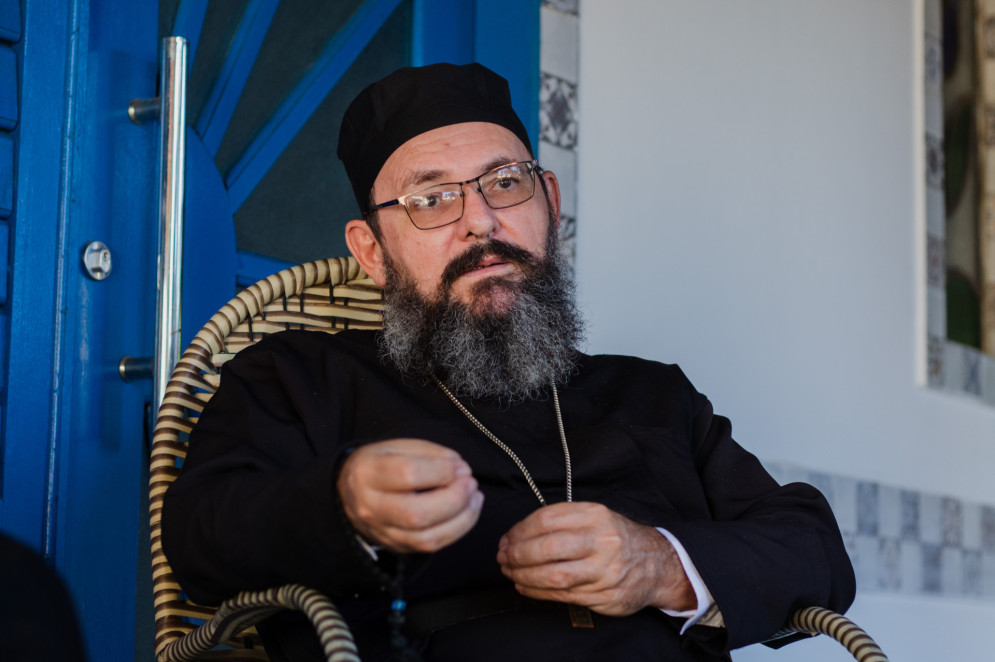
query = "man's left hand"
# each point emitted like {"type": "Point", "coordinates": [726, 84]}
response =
{"type": "Point", "coordinates": [586, 554]}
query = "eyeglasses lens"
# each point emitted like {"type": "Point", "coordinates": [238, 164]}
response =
{"type": "Point", "coordinates": [502, 187]}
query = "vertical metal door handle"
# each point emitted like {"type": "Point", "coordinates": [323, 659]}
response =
{"type": "Point", "coordinates": [171, 109]}
{"type": "Point", "coordinates": [172, 161]}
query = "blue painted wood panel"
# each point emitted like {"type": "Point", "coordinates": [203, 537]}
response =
{"type": "Point", "coordinates": [6, 179]}
{"type": "Point", "coordinates": [8, 88]}
{"type": "Point", "coordinates": [501, 35]}
{"type": "Point", "coordinates": [74, 456]}
{"type": "Point", "coordinates": [507, 41]}
{"type": "Point", "coordinates": [4, 252]}
{"type": "Point", "coordinates": [10, 20]}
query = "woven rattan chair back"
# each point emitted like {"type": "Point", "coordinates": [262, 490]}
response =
{"type": "Point", "coordinates": [327, 295]}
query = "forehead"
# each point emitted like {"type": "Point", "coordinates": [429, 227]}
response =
{"type": "Point", "coordinates": [450, 153]}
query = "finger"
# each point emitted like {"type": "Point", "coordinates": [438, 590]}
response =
{"type": "Point", "coordinates": [425, 509]}
{"type": "Point", "coordinates": [564, 576]}
{"type": "Point", "coordinates": [406, 471]}
{"type": "Point", "coordinates": [546, 549]}
{"type": "Point", "coordinates": [557, 517]}
{"type": "Point", "coordinates": [436, 537]}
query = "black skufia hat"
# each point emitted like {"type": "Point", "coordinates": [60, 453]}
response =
{"type": "Point", "coordinates": [410, 102]}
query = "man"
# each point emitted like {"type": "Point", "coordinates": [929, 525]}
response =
{"type": "Point", "coordinates": [466, 484]}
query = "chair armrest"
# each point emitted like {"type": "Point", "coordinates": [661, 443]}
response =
{"type": "Point", "coordinates": [816, 620]}
{"type": "Point", "coordinates": [250, 607]}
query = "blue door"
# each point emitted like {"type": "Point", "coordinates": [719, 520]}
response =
{"type": "Point", "coordinates": [268, 82]}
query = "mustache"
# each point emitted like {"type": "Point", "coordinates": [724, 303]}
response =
{"type": "Point", "coordinates": [469, 259]}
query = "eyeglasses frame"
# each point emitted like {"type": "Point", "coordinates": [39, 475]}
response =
{"type": "Point", "coordinates": [531, 164]}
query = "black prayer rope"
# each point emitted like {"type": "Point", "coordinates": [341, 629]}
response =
{"type": "Point", "coordinates": [403, 652]}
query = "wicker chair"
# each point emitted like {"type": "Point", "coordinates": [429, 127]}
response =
{"type": "Point", "coordinates": [327, 295]}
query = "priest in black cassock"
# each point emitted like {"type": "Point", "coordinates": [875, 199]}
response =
{"type": "Point", "coordinates": [466, 484]}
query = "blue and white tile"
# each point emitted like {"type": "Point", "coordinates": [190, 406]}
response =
{"type": "Point", "coordinates": [930, 529]}
{"type": "Point", "coordinates": [936, 316]}
{"type": "Point", "coordinates": [936, 263]}
{"type": "Point", "coordinates": [935, 353]}
{"type": "Point", "coordinates": [933, 63]}
{"type": "Point", "coordinates": [971, 583]}
{"type": "Point", "coordinates": [988, 379]}
{"type": "Point", "coordinates": [951, 522]}
{"type": "Point", "coordinates": [934, 160]}
{"type": "Point", "coordinates": [559, 35]}
{"type": "Point", "coordinates": [557, 111]}
{"type": "Point", "coordinates": [953, 366]}
{"type": "Point", "coordinates": [845, 502]}
{"type": "Point", "coordinates": [988, 528]}
{"type": "Point", "coordinates": [988, 574]}
{"type": "Point", "coordinates": [563, 162]}
{"type": "Point", "coordinates": [911, 516]}
{"type": "Point", "coordinates": [868, 516]}
{"type": "Point", "coordinates": [889, 563]}
{"type": "Point", "coordinates": [889, 512]}
{"type": "Point", "coordinates": [971, 362]}
{"type": "Point", "coordinates": [972, 525]}
{"type": "Point", "coordinates": [932, 568]}
{"type": "Point", "coordinates": [910, 564]}
{"type": "Point", "coordinates": [932, 12]}
{"type": "Point", "coordinates": [936, 213]}
{"type": "Point", "coordinates": [865, 565]}
{"type": "Point", "coordinates": [933, 87]}
{"type": "Point", "coordinates": [952, 570]}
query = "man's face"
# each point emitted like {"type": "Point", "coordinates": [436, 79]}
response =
{"type": "Point", "coordinates": [457, 153]}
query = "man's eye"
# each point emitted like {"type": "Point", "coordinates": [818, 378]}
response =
{"type": "Point", "coordinates": [432, 199]}
{"type": "Point", "coordinates": [423, 202]}
{"type": "Point", "coordinates": [506, 181]}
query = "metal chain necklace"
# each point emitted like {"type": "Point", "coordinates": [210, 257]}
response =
{"type": "Point", "coordinates": [521, 465]}
{"type": "Point", "coordinates": [580, 617]}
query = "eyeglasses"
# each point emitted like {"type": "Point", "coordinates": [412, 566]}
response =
{"type": "Point", "coordinates": [504, 186]}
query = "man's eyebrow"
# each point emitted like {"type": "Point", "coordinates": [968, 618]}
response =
{"type": "Point", "coordinates": [419, 177]}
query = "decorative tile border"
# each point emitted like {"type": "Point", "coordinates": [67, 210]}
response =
{"type": "Point", "coordinates": [558, 111]}
{"type": "Point", "coordinates": [905, 541]}
{"type": "Point", "coordinates": [558, 57]}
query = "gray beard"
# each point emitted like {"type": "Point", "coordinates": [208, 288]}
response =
{"type": "Point", "coordinates": [512, 355]}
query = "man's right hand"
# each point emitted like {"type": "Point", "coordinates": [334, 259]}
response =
{"type": "Point", "coordinates": [409, 495]}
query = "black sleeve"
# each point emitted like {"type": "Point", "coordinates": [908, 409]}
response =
{"type": "Point", "coordinates": [768, 550]}
{"type": "Point", "coordinates": [256, 504]}
{"type": "Point", "coordinates": [37, 618]}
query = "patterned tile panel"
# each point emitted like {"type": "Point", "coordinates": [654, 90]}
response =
{"type": "Point", "coordinates": [935, 252]}
{"type": "Point", "coordinates": [558, 111]}
{"type": "Point", "coordinates": [908, 542]}
{"type": "Point", "coordinates": [934, 161]}
{"type": "Point", "coordinates": [558, 108]}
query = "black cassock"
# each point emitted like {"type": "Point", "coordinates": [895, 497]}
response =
{"type": "Point", "coordinates": [256, 504]}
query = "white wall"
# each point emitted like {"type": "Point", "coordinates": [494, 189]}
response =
{"type": "Point", "coordinates": [748, 195]}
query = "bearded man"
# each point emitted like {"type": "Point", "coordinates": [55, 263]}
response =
{"type": "Point", "coordinates": [466, 484]}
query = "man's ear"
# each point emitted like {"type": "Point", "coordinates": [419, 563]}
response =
{"type": "Point", "coordinates": [366, 249]}
{"type": "Point", "coordinates": [552, 193]}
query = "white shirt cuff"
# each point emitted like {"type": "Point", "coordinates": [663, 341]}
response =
{"type": "Point", "coordinates": [707, 612]}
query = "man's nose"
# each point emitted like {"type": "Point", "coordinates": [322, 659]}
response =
{"type": "Point", "coordinates": [480, 219]}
